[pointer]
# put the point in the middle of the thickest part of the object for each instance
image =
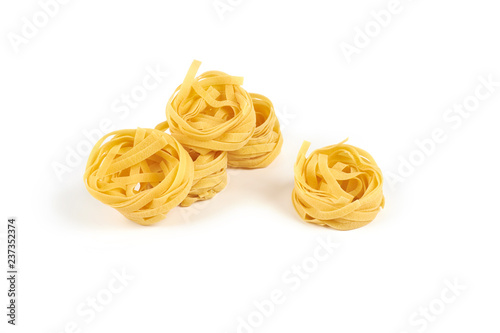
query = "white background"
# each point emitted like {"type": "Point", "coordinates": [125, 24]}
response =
{"type": "Point", "coordinates": [202, 268]}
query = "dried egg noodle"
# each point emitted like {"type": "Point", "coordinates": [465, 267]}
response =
{"type": "Point", "coordinates": [213, 122]}
{"type": "Point", "coordinates": [339, 186]}
{"type": "Point", "coordinates": [211, 112]}
{"type": "Point", "coordinates": [210, 176]}
{"type": "Point", "coordinates": [266, 142]}
{"type": "Point", "coordinates": [148, 158]}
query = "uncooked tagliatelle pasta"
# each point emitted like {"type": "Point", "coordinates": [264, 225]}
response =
{"type": "Point", "coordinates": [211, 112]}
{"type": "Point", "coordinates": [213, 123]}
{"type": "Point", "coordinates": [265, 144]}
{"type": "Point", "coordinates": [339, 186]}
{"type": "Point", "coordinates": [142, 173]}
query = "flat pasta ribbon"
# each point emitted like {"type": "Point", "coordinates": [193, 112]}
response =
{"type": "Point", "coordinates": [211, 112]}
{"type": "Point", "coordinates": [142, 173]}
{"type": "Point", "coordinates": [339, 186]}
{"type": "Point", "coordinates": [265, 144]}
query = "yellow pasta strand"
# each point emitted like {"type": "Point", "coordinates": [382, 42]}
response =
{"type": "Point", "coordinates": [339, 186]}
{"type": "Point", "coordinates": [141, 173]}
{"type": "Point", "coordinates": [265, 144]}
{"type": "Point", "coordinates": [211, 112]}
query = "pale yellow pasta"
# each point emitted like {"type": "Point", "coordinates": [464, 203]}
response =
{"type": "Point", "coordinates": [142, 173]}
{"type": "Point", "coordinates": [211, 112]}
{"type": "Point", "coordinates": [265, 144]}
{"type": "Point", "coordinates": [339, 186]}
{"type": "Point", "coordinates": [213, 122]}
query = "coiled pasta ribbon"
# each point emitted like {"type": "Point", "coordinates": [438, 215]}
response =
{"type": "Point", "coordinates": [339, 186]}
{"type": "Point", "coordinates": [211, 112]}
{"type": "Point", "coordinates": [266, 142]}
{"type": "Point", "coordinates": [142, 173]}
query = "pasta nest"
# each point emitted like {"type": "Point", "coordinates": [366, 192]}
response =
{"type": "Point", "coordinates": [142, 173]}
{"type": "Point", "coordinates": [266, 142]}
{"type": "Point", "coordinates": [211, 112]}
{"type": "Point", "coordinates": [339, 186]}
{"type": "Point", "coordinates": [210, 176]}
